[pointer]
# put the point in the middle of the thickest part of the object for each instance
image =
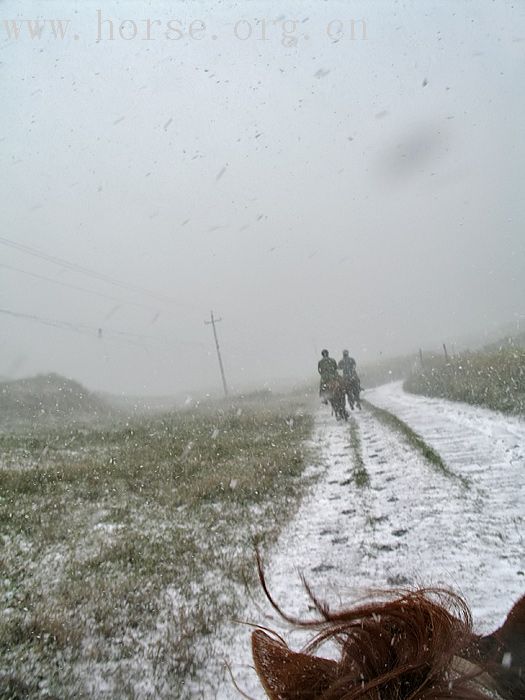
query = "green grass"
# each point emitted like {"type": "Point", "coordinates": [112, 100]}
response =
{"type": "Point", "coordinates": [392, 421]}
{"type": "Point", "coordinates": [493, 379]}
{"type": "Point", "coordinates": [125, 549]}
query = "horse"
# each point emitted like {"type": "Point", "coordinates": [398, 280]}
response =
{"type": "Point", "coordinates": [334, 391]}
{"type": "Point", "coordinates": [404, 645]}
{"type": "Point", "coordinates": [352, 389]}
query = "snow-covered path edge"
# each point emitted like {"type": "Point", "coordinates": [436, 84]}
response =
{"type": "Point", "coordinates": [411, 525]}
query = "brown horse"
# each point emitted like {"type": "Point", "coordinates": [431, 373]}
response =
{"type": "Point", "coordinates": [407, 645]}
{"type": "Point", "coordinates": [352, 389]}
{"type": "Point", "coordinates": [335, 393]}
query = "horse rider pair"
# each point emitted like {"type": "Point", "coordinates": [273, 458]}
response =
{"type": "Point", "coordinates": [327, 368]}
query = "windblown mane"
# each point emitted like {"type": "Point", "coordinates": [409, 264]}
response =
{"type": "Point", "coordinates": [407, 645]}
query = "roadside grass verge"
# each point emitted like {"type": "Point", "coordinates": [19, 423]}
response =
{"type": "Point", "coordinates": [124, 549]}
{"type": "Point", "coordinates": [360, 474]}
{"type": "Point", "coordinates": [415, 440]}
{"type": "Point", "coordinates": [492, 379]}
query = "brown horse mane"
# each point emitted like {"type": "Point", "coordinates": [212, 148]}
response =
{"type": "Point", "coordinates": [402, 645]}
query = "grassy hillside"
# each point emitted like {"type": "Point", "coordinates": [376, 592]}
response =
{"type": "Point", "coordinates": [48, 398]}
{"type": "Point", "coordinates": [494, 378]}
{"type": "Point", "coordinates": [124, 549]}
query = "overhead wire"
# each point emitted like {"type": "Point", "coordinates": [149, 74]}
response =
{"type": "Point", "coordinates": [92, 331]}
{"type": "Point", "coordinates": [95, 275]}
{"type": "Point", "coordinates": [65, 325]}
{"type": "Point", "coordinates": [75, 286]}
{"type": "Point", "coordinates": [61, 262]}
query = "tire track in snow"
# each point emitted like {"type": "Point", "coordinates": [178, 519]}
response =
{"type": "Point", "coordinates": [468, 436]}
{"type": "Point", "coordinates": [427, 527]}
{"type": "Point", "coordinates": [488, 448]}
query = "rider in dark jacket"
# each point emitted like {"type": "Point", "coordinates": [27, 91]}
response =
{"type": "Point", "coordinates": [347, 364]}
{"type": "Point", "coordinates": [327, 368]}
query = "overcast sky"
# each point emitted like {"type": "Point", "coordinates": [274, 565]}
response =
{"type": "Point", "coordinates": [320, 174]}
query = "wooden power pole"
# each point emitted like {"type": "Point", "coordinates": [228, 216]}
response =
{"type": "Point", "coordinates": [212, 323]}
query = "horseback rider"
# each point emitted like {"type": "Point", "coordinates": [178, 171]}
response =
{"type": "Point", "coordinates": [327, 368]}
{"type": "Point", "coordinates": [347, 364]}
{"type": "Point", "coordinates": [351, 381]}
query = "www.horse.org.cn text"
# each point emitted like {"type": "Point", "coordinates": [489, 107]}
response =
{"type": "Point", "coordinates": [288, 32]}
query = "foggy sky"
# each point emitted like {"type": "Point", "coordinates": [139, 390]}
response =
{"type": "Point", "coordinates": [361, 193]}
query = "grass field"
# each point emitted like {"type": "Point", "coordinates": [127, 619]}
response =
{"type": "Point", "coordinates": [125, 548]}
{"type": "Point", "coordinates": [493, 379]}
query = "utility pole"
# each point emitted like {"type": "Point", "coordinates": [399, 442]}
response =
{"type": "Point", "coordinates": [212, 323]}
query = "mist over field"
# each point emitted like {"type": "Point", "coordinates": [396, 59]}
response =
{"type": "Point", "coordinates": [340, 175]}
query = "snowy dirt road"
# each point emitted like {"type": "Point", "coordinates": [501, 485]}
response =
{"type": "Point", "coordinates": [410, 524]}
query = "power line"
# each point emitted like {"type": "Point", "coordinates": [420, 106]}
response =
{"type": "Point", "coordinates": [74, 267]}
{"type": "Point", "coordinates": [65, 325]}
{"type": "Point", "coordinates": [83, 329]}
{"type": "Point", "coordinates": [74, 286]}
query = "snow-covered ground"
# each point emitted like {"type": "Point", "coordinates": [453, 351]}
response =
{"type": "Point", "coordinates": [411, 525]}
